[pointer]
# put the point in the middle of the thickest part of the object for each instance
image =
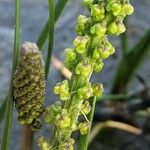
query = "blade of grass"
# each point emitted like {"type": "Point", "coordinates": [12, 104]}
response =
{"type": "Point", "coordinates": [130, 63]}
{"type": "Point", "coordinates": [9, 106]}
{"type": "Point", "coordinates": [44, 34]}
{"type": "Point", "coordinates": [51, 37]}
{"type": "Point", "coordinates": [83, 141]}
{"type": "Point", "coordinates": [2, 110]}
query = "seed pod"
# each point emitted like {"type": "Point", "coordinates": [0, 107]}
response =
{"type": "Point", "coordinates": [29, 85]}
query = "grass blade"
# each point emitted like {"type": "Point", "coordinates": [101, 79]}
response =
{"type": "Point", "coordinates": [44, 34]}
{"type": "Point", "coordinates": [51, 37]}
{"type": "Point", "coordinates": [9, 106]}
{"type": "Point", "coordinates": [130, 63]}
{"type": "Point", "coordinates": [2, 111]}
{"type": "Point", "coordinates": [84, 139]}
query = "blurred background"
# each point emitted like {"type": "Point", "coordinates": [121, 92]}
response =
{"type": "Point", "coordinates": [135, 112]}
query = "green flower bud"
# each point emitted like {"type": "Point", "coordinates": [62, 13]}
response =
{"type": "Point", "coordinates": [97, 89]}
{"type": "Point", "coordinates": [109, 5]}
{"type": "Point", "coordinates": [51, 112]}
{"type": "Point", "coordinates": [80, 43]}
{"type": "Point", "coordinates": [87, 3]}
{"type": "Point", "coordinates": [97, 12]}
{"type": "Point", "coordinates": [104, 54]}
{"type": "Point", "coordinates": [82, 24]}
{"type": "Point", "coordinates": [84, 127]}
{"type": "Point", "coordinates": [57, 89]}
{"type": "Point", "coordinates": [111, 50]}
{"type": "Point", "coordinates": [62, 120]}
{"type": "Point", "coordinates": [67, 145]}
{"type": "Point", "coordinates": [116, 8]}
{"type": "Point", "coordinates": [83, 69]}
{"type": "Point", "coordinates": [98, 66]}
{"type": "Point", "coordinates": [43, 144]}
{"type": "Point", "coordinates": [64, 95]}
{"type": "Point", "coordinates": [96, 54]}
{"type": "Point", "coordinates": [113, 28]}
{"type": "Point", "coordinates": [70, 54]}
{"type": "Point", "coordinates": [86, 108]}
{"type": "Point", "coordinates": [127, 8]}
{"type": "Point", "coordinates": [121, 28]}
{"type": "Point", "coordinates": [85, 92]}
{"type": "Point", "coordinates": [98, 29]}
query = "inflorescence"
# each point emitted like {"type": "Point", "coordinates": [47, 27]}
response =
{"type": "Point", "coordinates": [91, 47]}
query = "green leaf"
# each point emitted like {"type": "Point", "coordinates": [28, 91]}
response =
{"type": "Point", "coordinates": [2, 110]}
{"type": "Point", "coordinates": [129, 64]}
{"type": "Point", "coordinates": [51, 37]}
{"type": "Point", "coordinates": [9, 106]}
{"type": "Point", "coordinates": [44, 34]}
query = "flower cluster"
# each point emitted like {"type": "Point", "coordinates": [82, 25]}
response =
{"type": "Point", "coordinates": [29, 85]}
{"type": "Point", "coordinates": [91, 47]}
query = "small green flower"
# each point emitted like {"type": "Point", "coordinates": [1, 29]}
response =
{"type": "Point", "coordinates": [127, 8]}
{"type": "Point", "coordinates": [98, 29]}
{"type": "Point", "coordinates": [98, 65]}
{"type": "Point", "coordinates": [62, 120]}
{"type": "Point", "coordinates": [97, 89]}
{"type": "Point", "coordinates": [97, 12]}
{"type": "Point", "coordinates": [87, 3]}
{"type": "Point", "coordinates": [116, 8]}
{"type": "Point", "coordinates": [80, 43]}
{"type": "Point", "coordinates": [67, 145]}
{"type": "Point", "coordinates": [84, 68]}
{"type": "Point", "coordinates": [70, 54]}
{"type": "Point", "coordinates": [86, 108]}
{"type": "Point", "coordinates": [113, 28]}
{"type": "Point", "coordinates": [84, 127]}
{"type": "Point", "coordinates": [51, 112]}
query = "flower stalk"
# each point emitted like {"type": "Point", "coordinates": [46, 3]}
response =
{"type": "Point", "coordinates": [91, 48]}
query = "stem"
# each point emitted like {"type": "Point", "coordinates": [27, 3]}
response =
{"type": "Point", "coordinates": [51, 37]}
{"type": "Point", "coordinates": [27, 141]}
{"type": "Point", "coordinates": [83, 141]}
{"type": "Point", "coordinates": [9, 106]}
{"type": "Point", "coordinates": [44, 34]}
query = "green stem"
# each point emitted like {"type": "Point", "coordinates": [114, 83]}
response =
{"type": "Point", "coordinates": [9, 106]}
{"type": "Point", "coordinates": [44, 34]}
{"type": "Point", "coordinates": [2, 110]}
{"type": "Point", "coordinates": [51, 37]}
{"type": "Point", "coordinates": [83, 141]}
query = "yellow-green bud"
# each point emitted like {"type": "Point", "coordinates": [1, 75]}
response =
{"type": "Point", "coordinates": [84, 127]}
{"type": "Point", "coordinates": [98, 29]}
{"type": "Point", "coordinates": [97, 12]}
{"type": "Point", "coordinates": [51, 112]}
{"type": "Point", "coordinates": [87, 3]}
{"type": "Point", "coordinates": [104, 54]}
{"type": "Point", "coordinates": [43, 144]}
{"type": "Point", "coordinates": [116, 8]}
{"type": "Point", "coordinates": [96, 54]}
{"type": "Point", "coordinates": [97, 89]}
{"type": "Point", "coordinates": [128, 8]}
{"type": "Point", "coordinates": [57, 89]}
{"type": "Point", "coordinates": [83, 69]}
{"type": "Point", "coordinates": [86, 108]}
{"type": "Point", "coordinates": [80, 43]}
{"type": "Point", "coordinates": [121, 28]}
{"type": "Point", "coordinates": [113, 28]}
{"type": "Point", "coordinates": [70, 54]}
{"type": "Point", "coordinates": [85, 92]}
{"type": "Point", "coordinates": [98, 66]}
{"type": "Point", "coordinates": [67, 145]}
{"type": "Point", "coordinates": [62, 120]}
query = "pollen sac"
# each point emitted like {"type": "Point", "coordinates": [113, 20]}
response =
{"type": "Point", "coordinates": [29, 85]}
